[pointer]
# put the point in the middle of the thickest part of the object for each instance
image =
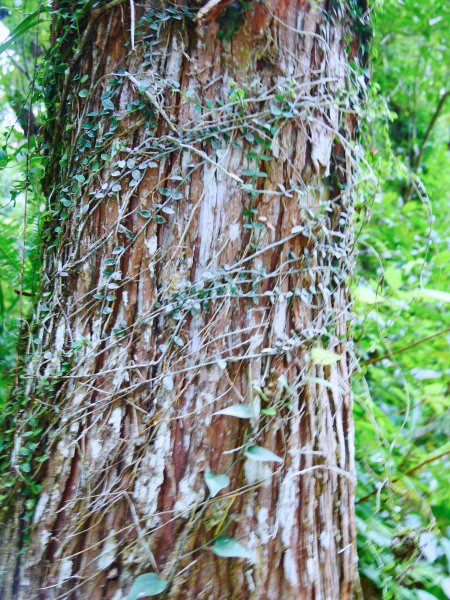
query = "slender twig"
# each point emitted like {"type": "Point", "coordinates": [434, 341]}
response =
{"type": "Point", "coordinates": [419, 156]}
{"type": "Point", "coordinates": [377, 359]}
{"type": "Point", "coordinates": [406, 474]}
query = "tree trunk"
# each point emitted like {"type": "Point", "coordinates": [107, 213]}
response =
{"type": "Point", "coordinates": [198, 249]}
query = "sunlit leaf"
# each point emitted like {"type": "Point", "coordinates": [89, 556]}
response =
{"type": "Point", "coordinates": [364, 295]}
{"type": "Point", "coordinates": [215, 482]}
{"type": "Point", "coordinates": [261, 454]}
{"type": "Point", "coordinates": [228, 547]}
{"type": "Point", "coordinates": [320, 356]}
{"type": "Point", "coordinates": [393, 277]}
{"type": "Point", "coordinates": [242, 411]}
{"type": "Point", "coordinates": [146, 585]}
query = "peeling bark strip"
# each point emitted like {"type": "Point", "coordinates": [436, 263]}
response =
{"type": "Point", "coordinates": [211, 10]}
{"type": "Point", "coordinates": [205, 254]}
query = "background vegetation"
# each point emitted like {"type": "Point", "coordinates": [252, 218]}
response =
{"type": "Point", "coordinates": [402, 329]}
{"type": "Point", "coordinates": [402, 324]}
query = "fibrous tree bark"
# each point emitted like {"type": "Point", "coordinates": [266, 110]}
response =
{"type": "Point", "coordinates": [198, 250]}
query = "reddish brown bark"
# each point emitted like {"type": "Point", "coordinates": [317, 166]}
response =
{"type": "Point", "coordinates": [212, 313]}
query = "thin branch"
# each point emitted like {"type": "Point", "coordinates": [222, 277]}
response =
{"type": "Point", "coordinates": [432, 123]}
{"type": "Point", "coordinates": [406, 474]}
{"type": "Point", "coordinates": [430, 127]}
{"type": "Point", "coordinates": [377, 359]}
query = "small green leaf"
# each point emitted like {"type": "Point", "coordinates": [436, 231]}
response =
{"type": "Point", "coordinates": [122, 229]}
{"type": "Point", "coordinates": [83, 93]}
{"type": "Point", "coordinates": [256, 174]}
{"type": "Point", "coordinates": [393, 277]}
{"type": "Point", "coordinates": [108, 104]}
{"type": "Point", "coordinates": [228, 547]}
{"type": "Point", "coordinates": [215, 482]}
{"type": "Point", "coordinates": [365, 295]}
{"type": "Point", "coordinates": [270, 412]}
{"type": "Point", "coordinates": [261, 454]}
{"type": "Point", "coordinates": [60, 68]}
{"type": "Point", "coordinates": [145, 213]}
{"type": "Point", "coordinates": [167, 210]}
{"type": "Point", "coordinates": [242, 411]}
{"type": "Point", "coordinates": [147, 585]}
{"type": "Point", "coordinates": [320, 356]}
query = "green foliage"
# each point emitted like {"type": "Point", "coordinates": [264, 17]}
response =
{"type": "Point", "coordinates": [261, 454]}
{"type": "Point", "coordinates": [232, 19]}
{"type": "Point", "coordinates": [12, 283]}
{"type": "Point", "coordinates": [228, 547]}
{"type": "Point", "coordinates": [215, 482]}
{"type": "Point", "coordinates": [402, 325]}
{"type": "Point", "coordinates": [18, 32]}
{"type": "Point", "coordinates": [21, 201]}
{"type": "Point", "coordinates": [242, 411]}
{"type": "Point", "coordinates": [147, 585]}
